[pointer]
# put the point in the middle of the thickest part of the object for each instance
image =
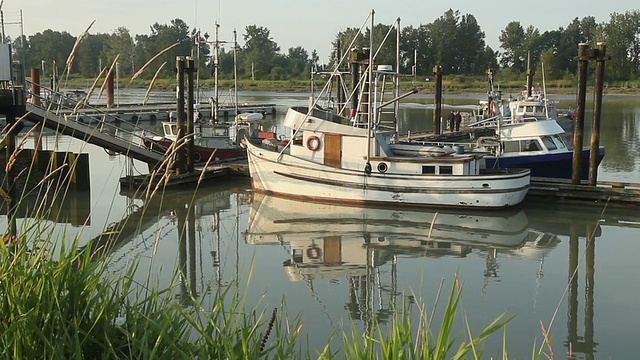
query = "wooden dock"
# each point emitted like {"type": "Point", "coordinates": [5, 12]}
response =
{"type": "Point", "coordinates": [213, 172]}
{"type": "Point", "coordinates": [562, 190]}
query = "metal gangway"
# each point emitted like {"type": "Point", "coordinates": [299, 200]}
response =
{"type": "Point", "coordinates": [59, 112]}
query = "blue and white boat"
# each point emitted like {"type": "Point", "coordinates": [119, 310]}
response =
{"type": "Point", "coordinates": [536, 144]}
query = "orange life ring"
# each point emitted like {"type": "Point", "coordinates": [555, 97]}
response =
{"type": "Point", "coordinates": [313, 143]}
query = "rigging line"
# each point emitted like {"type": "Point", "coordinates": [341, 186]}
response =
{"type": "Point", "coordinates": [323, 307]}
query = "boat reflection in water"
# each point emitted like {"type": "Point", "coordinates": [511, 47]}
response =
{"type": "Point", "coordinates": [327, 241]}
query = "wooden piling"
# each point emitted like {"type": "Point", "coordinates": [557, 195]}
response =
{"type": "Point", "coordinates": [583, 62]}
{"type": "Point", "coordinates": [355, 78]}
{"type": "Point", "coordinates": [180, 164]}
{"type": "Point", "coordinates": [437, 100]}
{"type": "Point", "coordinates": [110, 93]}
{"type": "Point", "coordinates": [530, 73]}
{"type": "Point", "coordinates": [189, 147]}
{"type": "Point", "coordinates": [35, 86]}
{"type": "Point", "coordinates": [597, 112]}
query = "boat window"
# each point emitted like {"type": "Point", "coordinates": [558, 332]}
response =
{"type": "Point", "coordinates": [511, 146]}
{"type": "Point", "coordinates": [429, 169]}
{"type": "Point", "coordinates": [548, 142]}
{"type": "Point", "coordinates": [529, 145]}
{"type": "Point", "coordinates": [529, 109]}
{"type": "Point", "coordinates": [446, 170]}
{"type": "Point", "coordinates": [559, 141]}
{"type": "Point", "coordinates": [540, 110]}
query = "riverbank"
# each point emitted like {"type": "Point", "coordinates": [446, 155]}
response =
{"type": "Point", "coordinates": [452, 85]}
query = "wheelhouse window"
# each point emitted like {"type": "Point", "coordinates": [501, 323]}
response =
{"type": "Point", "coordinates": [549, 143]}
{"type": "Point", "coordinates": [511, 146]}
{"type": "Point", "coordinates": [529, 145]}
{"type": "Point", "coordinates": [429, 169]}
{"type": "Point", "coordinates": [446, 170]}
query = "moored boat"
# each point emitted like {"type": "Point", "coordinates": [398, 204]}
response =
{"type": "Point", "coordinates": [351, 160]}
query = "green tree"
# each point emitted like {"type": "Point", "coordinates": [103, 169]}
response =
{"type": "Point", "coordinates": [87, 58]}
{"type": "Point", "coordinates": [161, 37]}
{"type": "Point", "coordinates": [415, 50]}
{"type": "Point", "coordinates": [513, 41]}
{"type": "Point", "coordinates": [120, 44]}
{"type": "Point", "coordinates": [259, 51]}
{"type": "Point", "coordinates": [443, 33]}
{"type": "Point", "coordinates": [298, 59]}
{"type": "Point", "coordinates": [622, 34]}
{"type": "Point", "coordinates": [470, 47]}
{"type": "Point", "coordinates": [51, 48]}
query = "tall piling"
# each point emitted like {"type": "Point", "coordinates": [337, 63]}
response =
{"type": "Point", "coordinates": [110, 92]}
{"type": "Point", "coordinates": [179, 149]}
{"type": "Point", "coordinates": [355, 79]}
{"type": "Point", "coordinates": [189, 146]}
{"type": "Point", "coordinates": [597, 111]}
{"type": "Point", "coordinates": [35, 86]}
{"type": "Point", "coordinates": [583, 62]}
{"type": "Point", "coordinates": [529, 75]}
{"type": "Point", "coordinates": [437, 100]}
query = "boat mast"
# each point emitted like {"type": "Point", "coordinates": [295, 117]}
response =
{"type": "Point", "coordinates": [396, 89]}
{"type": "Point", "coordinates": [216, 57]}
{"type": "Point", "coordinates": [369, 107]}
{"type": "Point", "coordinates": [544, 92]}
{"type": "Point", "coordinates": [235, 72]}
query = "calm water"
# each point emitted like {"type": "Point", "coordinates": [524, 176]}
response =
{"type": "Point", "coordinates": [569, 267]}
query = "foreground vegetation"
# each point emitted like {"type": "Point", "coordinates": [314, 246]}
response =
{"type": "Point", "coordinates": [71, 308]}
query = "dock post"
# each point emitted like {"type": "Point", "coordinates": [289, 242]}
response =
{"type": "Point", "coordinates": [597, 112]}
{"type": "Point", "coordinates": [355, 78]}
{"type": "Point", "coordinates": [35, 86]}
{"type": "Point", "coordinates": [109, 88]}
{"type": "Point", "coordinates": [437, 100]}
{"type": "Point", "coordinates": [179, 149]}
{"type": "Point", "coordinates": [529, 74]}
{"type": "Point", "coordinates": [583, 62]}
{"type": "Point", "coordinates": [189, 148]}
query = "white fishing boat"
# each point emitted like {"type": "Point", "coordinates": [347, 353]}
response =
{"type": "Point", "coordinates": [351, 160]}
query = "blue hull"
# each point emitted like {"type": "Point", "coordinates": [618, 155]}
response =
{"type": "Point", "coordinates": [546, 165]}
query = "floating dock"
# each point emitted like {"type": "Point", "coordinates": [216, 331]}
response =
{"type": "Point", "coordinates": [158, 111]}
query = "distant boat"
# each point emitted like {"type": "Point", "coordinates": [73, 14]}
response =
{"type": "Point", "coordinates": [211, 143]}
{"type": "Point", "coordinates": [525, 132]}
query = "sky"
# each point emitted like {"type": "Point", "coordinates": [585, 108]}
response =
{"type": "Point", "coordinates": [310, 24]}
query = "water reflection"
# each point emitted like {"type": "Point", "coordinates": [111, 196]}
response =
{"type": "Point", "coordinates": [327, 241]}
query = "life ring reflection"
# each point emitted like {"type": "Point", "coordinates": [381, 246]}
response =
{"type": "Point", "coordinates": [313, 143]}
{"type": "Point", "coordinates": [314, 252]}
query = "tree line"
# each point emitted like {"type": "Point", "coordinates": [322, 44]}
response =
{"type": "Point", "coordinates": [454, 41]}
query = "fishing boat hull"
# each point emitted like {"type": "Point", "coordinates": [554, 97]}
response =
{"type": "Point", "coordinates": [280, 173]}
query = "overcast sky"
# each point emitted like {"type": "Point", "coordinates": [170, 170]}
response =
{"type": "Point", "coordinates": [310, 24]}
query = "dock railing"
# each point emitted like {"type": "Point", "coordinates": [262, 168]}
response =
{"type": "Point", "coordinates": [61, 113]}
